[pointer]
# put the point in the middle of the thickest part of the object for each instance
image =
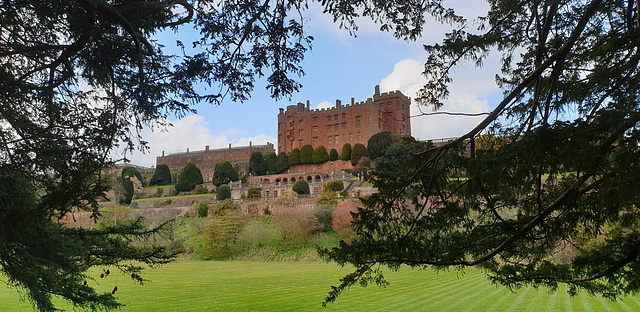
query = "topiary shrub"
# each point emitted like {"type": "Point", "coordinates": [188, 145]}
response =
{"type": "Point", "coordinates": [320, 155]}
{"type": "Point", "coordinates": [301, 187]}
{"type": "Point", "coordinates": [162, 176]}
{"type": "Point", "coordinates": [127, 185]}
{"type": "Point", "coordinates": [333, 154]}
{"type": "Point", "coordinates": [358, 152]}
{"type": "Point", "coordinates": [203, 210]}
{"type": "Point", "coordinates": [294, 157]}
{"type": "Point", "coordinates": [224, 173]}
{"type": "Point", "coordinates": [306, 154]}
{"type": "Point", "coordinates": [132, 172]}
{"type": "Point", "coordinates": [282, 163]}
{"type": "Point", "coordinates": [378, 144]}
{"type": "Point", "coordinates": [346, 152]}
{"type": "Point", "coordinates": [188, 178]}
{"type": "Point", "coordinates": [224, 192]}
{"type": "Point", "coordinates": [270, 160]}
{"type": "Point", "coordinates": [257, 166]}
{"type": "Point", "coordinates": [333, 186]}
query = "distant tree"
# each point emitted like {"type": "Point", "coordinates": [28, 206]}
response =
{"type": "Point", "coordinates": [333, 186]}
{"type": "Point", "coordinates": [328, 198]}
{"type": "Point", "coordinates": [225, 206]}
{"type": "Point", "coordinates": [378, 143]}
{"type": "Point", "coordinates": [320, 155]}
{"type": "Point", "coordinates": [358, 152]}
{"type": "Point", "coordinates": [203, 210]}
{"type": "Point", "coordinates": [282, 163]}
{"type": "Point", "coordinates": [188, 178]}
{"type": "Point", "coordinates": [224, 173]}
{"type": "Point", "coordinates": [306, 154]}
{"type": "Point", "coordinates": [162, 176]}
{"type": "Point", "coordinates": [128, 188]}
{"type": "Point", "coordinates": [489, 143]}
{"type": "Point", "coordinates": [254, 192]}
{"type": "Point", "coordinates": [333, 154]}
{"type": "Point", "coordinates": [224, 192]}
{"type": "Point", "coordinates": [346, 152]}
{"type": "Point", "coordinates": [294, 157]}
{"type": "Point", "coordinates": [257, 166]}
{"type": "Point", "coordinates": [132, 172]}
{"type": "Point", "coordinates": [301, 187]}
{"type": "Point", "coordinates": [270, 160]}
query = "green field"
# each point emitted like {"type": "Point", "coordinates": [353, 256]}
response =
{"type": "Point", "coordinates": [298, 286]}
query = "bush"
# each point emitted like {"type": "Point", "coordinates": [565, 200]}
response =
{"type": "Point", "coordinates": [295, 225]}
{"type": "Point", "coordinates": [224, 173]}
{"type": "Point", "coordinates": [301, 187]}
{"type": "Point", "coordinates": [320, 155]}
{"type": "Point", "coordinates": [254, 192]}
{"type": "Point", "coordinates": [306, 154]}
{"type": "Point", "coordinates": [132, 172]}
{"type": "Point", "coordinates": [203, 210]}
{"type": "Point", "coordinates": [346, 152]}
{"type": "Point", "coordinates": [257, 166]}
{"type": "Point", "coordinates": [127, 185]}
{"type": "Point", "coordinates": [324, 215]}
{"type": "Point", "coordinates": [220, 235]}
{"type": "Point", "coordinates": [378, 144]}
{"type": "Point", "coordinates": [270, 160]}
{"type": "Point", "coordinates": [188, 178]}
{"type": "Point", "coordinates": [258, 233]}
{"type": "Point", "coordinates": [333, 186]}
{"type": "Point", "coordinates": [333, 154]}
{"type": "Point", "coordinates": [282, 163]}
{"type": "Point", "coordinates": [224, 207]}
{"type": "Point", "coordinates": [342, 219]}
{"type": "Point", "coordinates": [328, 198]}
{"type": "Point", "coordinates": [358, 152]}
{"type": "Point", "coordinates": [201, 190]}
{"type": "Point", "coordinates": [162, 176]}
{"type": "Point", "coordinates": [294, 157]}
{"type": "Point", "coordinates": [224, 192]}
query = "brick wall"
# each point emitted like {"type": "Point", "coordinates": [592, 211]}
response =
{"type": "Point", "coordinates": [353, 123]}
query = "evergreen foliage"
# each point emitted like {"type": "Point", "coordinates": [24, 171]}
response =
{"type": "Point", "coordinates": [282, 163]}
{"type": "Point", "coordinates": [346, 152]}
{"type": "Point", "coordinates": [320, 155]}
{"type": "Point", "coordinates": [188, 178]}
{"type": "Point", "coordinates": [257, 166]}
{"type": "Point", "coordinates": [378, 143]}
{"type": "Point", "coordinates": [271, 160]}
{"type": "Point", "coordinates": [224, 192]}
{"type": "Point", "coordinates": [224, 173]}
{"type": "Point", "coordinates": [161, 176]}
{"type": "Point", "coordinates": [333, 154]}
{"type": "Point", "coordinates": [358, 152]}
{"type": "Point", "coordinates": [306, 154]}
{"type": "Point", "coordinates": [203, 210]}
{"type": "Point", "coordinates": [254, 192]}
{"type": "Point", "coordinates": [301, 187]}
{"type": "Point", "coordinates": [333, 186]}
{"type": "Point", "coordinates": [294, 157]}
{"type": "Point", "coordinates": [132, 172]}
{"type": "Point", "coordinates": [128, 188]}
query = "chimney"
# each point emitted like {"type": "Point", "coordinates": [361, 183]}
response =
{"type": "Point", "coordinates": [353, 101]}
{"type": "Point", "coordinates": [377, 93]}
{"type": "Point", "coordinates": [281, 110]}
{"type": "Point", "coordinates": [206, 148]}
{"type": "Point", "coordinates": [338, 103]}
{"type": "Point", "coordinates": [249, 144]}
{"type": "Point", "coordinates": [307, 104]}
{"type": "Point", "coordinates": [229, 145]}
{"type": "Point", "coordinates": [187, 150]}
{"type": "Point", "coordinates": [162, 153]}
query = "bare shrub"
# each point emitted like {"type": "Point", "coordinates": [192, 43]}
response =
{"type": "Point", "coordinates": [221, 235]}
{"type": "Point", "coordinates": [295, 225]}
{"type": "Point", "coordinates": [257, 234]}
{"type": "Point", "coordinates": [342, 220]}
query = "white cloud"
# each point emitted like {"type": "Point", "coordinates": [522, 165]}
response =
{"type": "Point", "coordinates": [325, 104]}
{"type": "Point", "coordinates": [469, 84]}
{"type": "Point", "coordinates": [191, 132]}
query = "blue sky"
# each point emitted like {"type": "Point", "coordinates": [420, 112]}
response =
{"type": "Point", "coordinates": [339, 66]}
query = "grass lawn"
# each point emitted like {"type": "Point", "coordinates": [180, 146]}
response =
{"type": "Point", "coordinates": [298, 286]}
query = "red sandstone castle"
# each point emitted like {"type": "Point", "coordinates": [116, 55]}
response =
{"type": "Point", "coordinates": [354, 123]}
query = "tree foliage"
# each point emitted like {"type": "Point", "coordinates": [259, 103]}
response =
{"type": "Point", "coordinates": [270, 161]}
{"type": "Point", "coordinates": [357, 153]}
{"type": "Point", "coordinates": [320, 155]}
{"type": "Point", "coordinates": [294, 157]}
{"type": "Point", "coordinates": [306, 154]}
{"type": "Point", "coordinates": [333, 186]}
{"type": "Point", "coordinates": [282, 163]}
{"type": "Point", "coordinates": [188, 178]}
{"type": "Point", "coordinates": [557, 202]}
{"type": "Point", "coordinates": [161, 176]}
{"type": "Point", "coordinates": [254, 192]}
{"type": "Point", "coordinates": [346, 152]}
{"type": "Point", "coordinates": [378, 143]}
{"type": "Point", "coordinates": [333, 154]}
{"type": "Point", "coordinates": [301, 187]}
{"type": "Point", "coordinates": [223, 173]}
{"type": "Point", "coordinates": [132, 172]}
{"type": "Point", "coordinates": [224, 192]}
{"type": "Point", "coordinates": [128, 191]}
{"type": "Point", "coordinates": [257, 166]}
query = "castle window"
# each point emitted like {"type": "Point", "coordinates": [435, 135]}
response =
{"type": "Point", "coordinates": [315, 141]}
{"type": "Point", "coordinates": [301, 122]}
{"type": "Point", "coordinates": [300, 132]}
{"type": "Point", "coordinates": [335, 127]}
{"type": "Point", "coordinates": [350, 136]}
{"type": "Point", "coordinates": [330, 140]}
{"type": "Point", "coordinates": [328, 118]}
{"type": "Point", "coordinates": [329, 128]}
{"type": "Point", "coordinates": [344, 116]}
{"type": "Point", "coordinates": [315, 119]}
{"type": "Point", "coordinates": [335, 117]}
{"type": "Point", "coordinates": [337, 139]}
{"type": "Point", "coordinates": [344, 125]}
{"type": "Point", "coordinates": [315, 128]}
{"type": "Point", "coordinates": [275, 194]}
{"type": "Point", "coordinates": [359, 136]}
{"type": "Point", "coordinates": [358, 120]}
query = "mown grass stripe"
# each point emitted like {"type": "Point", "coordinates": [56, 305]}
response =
{"type": "Point", "coordinates": [515, 305]}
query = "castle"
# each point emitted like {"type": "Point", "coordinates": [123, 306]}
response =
{"type": "Point", "coordinates": [354, 123]}
{"type": "Point", "coordinates": [299, 125]}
